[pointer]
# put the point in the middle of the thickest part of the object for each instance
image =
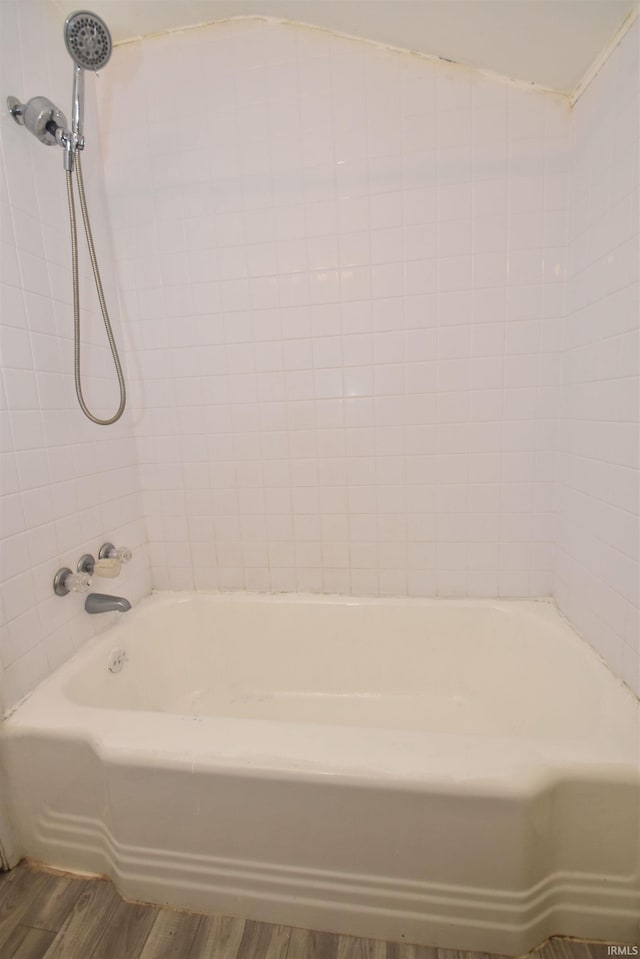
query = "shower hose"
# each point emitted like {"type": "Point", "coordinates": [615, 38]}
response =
{"type": "Point", "coordinates": [76, 299]}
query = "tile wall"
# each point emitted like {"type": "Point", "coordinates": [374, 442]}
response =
{"type": "Point", "coordinates": [343, 271]}
{"type": "Point", "coordinates": [66, 485]}
{"type": "Point", "coordinates": [597, 575]}
{"type": "Point", "coordinates": [342, 291]}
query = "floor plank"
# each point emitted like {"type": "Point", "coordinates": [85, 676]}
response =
{"type": "Point", "coordinates": [316, 945]}
{"type": "Point", "coordinates": [27, 943]}
{"type": "Point", "coordinates": [405, 950]}
{"type": "Point", "coordinates": [565, 949]}
{"type": "Point", "coordinates": [218, 937]}
{"type": "Point", "coordinates": [171, 936]}
{"type": "Point", "coordinates": [351, 948]}
{"type": "Point", "coordinates": [6, 880]}
{"type": "Point", "coordinates": [54, 903]}
{"type": "Point", "coordinates": [263, 941]}
{"type": "Point", "coordinates": [16, 894]}
{"type": "Point", "coordinates": [84, 924]}
{"type": "Point", "coordinates": [457, 954]}
{"type": "Point", "coordinates": [127, 931]}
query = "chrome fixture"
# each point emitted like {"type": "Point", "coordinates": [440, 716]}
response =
{"type": "Point", "coordinates": [47, 123]}
{"type": "Point", "coordinates": [122, 553]}
{"type": "Point", "coordinates": [65, 581]}
{"type": "Point", "coordinates": [88, 42]}
{"type": "Point", "coordinates": [41, 117]}
{"type": "Point", "coordinates": [101, 603]}
{"type": "Point", "coordinates": [86, 564]}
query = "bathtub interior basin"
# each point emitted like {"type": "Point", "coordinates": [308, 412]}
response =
{"type": "Point", "coordinates": [453, 667]}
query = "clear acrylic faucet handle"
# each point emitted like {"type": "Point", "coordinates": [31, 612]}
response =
{"type": "Point", "coordinates": [123, 553]}
{"type": "Point", "coordinates": [65, 581]}
{"type": "Point", "coordinates": [78, 582]}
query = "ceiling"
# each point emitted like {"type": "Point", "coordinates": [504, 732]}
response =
{"type": "Point", "coordinates": [549, 42]}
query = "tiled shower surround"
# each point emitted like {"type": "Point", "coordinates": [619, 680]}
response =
{"type": "Point", "coordinates": [355, 361]}
{"type": "Point", "coordinates": [597, 568]}
{"type": "Point", "coordinates": [66, 485]}
{"type": "Point", "coordinates": [343, 274]}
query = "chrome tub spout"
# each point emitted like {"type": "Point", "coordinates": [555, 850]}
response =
{"type": "Point", "coordinates": [101, 603]}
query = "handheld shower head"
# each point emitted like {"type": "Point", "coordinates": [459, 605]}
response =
{"type": "Point", "coordinates": [87, 39]}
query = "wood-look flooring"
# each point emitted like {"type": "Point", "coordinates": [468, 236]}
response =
{"type": "Point", "coordinates": [46, 915]}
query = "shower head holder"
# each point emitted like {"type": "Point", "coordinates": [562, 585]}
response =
{"type": "Point", "coordinates": [47, 123]}
{"type": "Point", "coordinates": [41, 117]}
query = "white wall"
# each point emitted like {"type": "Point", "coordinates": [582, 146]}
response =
{"type": "Point", "coordinates": [343, 269]}
{"type": "Point", "coordinates": [67, 485]}
{"type": "Point", "coordinates": [597, 576]}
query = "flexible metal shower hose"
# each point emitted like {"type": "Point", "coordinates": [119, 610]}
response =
{"type": "Point", "coordinates": [76, 299]}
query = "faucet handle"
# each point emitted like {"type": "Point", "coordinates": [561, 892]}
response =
{"type": "Point", "coordinates": [79, 582]}
{"type": "Point", "coordinates": [122, 553]}
{"type": "Point", "coordinates": [65, 581]}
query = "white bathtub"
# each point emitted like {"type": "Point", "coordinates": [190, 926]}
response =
{"type": "Point", "coordinates": [459, 774]}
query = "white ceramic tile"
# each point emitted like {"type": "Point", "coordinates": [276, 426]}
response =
{"type": "Point", "coordinates": [597, 565]}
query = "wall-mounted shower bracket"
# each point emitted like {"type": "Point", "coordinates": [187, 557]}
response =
{"type": "Point", "coordinates": [42, 118]}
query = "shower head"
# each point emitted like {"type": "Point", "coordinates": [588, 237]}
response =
{"type": "Point", "coordinates": [88, 40]}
